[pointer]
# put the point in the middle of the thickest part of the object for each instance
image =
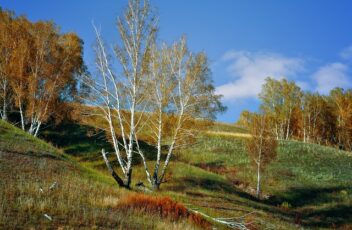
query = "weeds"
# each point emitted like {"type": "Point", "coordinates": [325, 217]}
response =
{"type": "Point", "coordinates": [163, 207]}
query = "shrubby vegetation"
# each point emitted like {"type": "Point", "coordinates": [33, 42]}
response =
{"type": "Point", "coordinates": [162, 206]}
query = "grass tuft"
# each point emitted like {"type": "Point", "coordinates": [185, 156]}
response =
{"type": "Point", "coordinates": [165, 207]}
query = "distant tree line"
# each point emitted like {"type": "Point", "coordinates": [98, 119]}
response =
{"type": "Point", "coordinates": [38, 70]}
{"type": "Point", "coordinates": [309, 117]}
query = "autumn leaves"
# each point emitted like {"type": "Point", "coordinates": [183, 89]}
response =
{"type": "Point", "coordinates": [289, 113]}
{"type": "Point", "coordinates": [309, 117]}
{"type": "Point", "coordinates": [38, 70]}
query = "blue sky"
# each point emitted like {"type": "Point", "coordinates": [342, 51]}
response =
{"type": "Point", "coordinates": [246, 40]}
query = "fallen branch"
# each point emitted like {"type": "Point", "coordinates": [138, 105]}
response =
{"type": "Point", "coordinates": [48, 217]}
{"type": "Point", "coordinates": [234, 222]}
{"type": "Point", "coordinates": [53, 186]}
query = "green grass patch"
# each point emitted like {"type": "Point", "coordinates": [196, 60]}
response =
{"type": "Point", "coordinates": [307, 184]}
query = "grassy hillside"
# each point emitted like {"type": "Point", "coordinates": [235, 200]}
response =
{"type": "Point", "coordinates": [308, 185]}
{"type": "Point", "coordinates": [14, 140]}
{"type": "Point", "coordinates": [42, 186]}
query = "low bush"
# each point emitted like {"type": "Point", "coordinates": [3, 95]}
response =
{"type": "Point", "coordinates": [165, 207]}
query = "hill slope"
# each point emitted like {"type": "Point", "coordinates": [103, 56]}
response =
{"type": "Point", "coordinates": [41, 186]}
{"type": "Point", "coordinates": [308, 185]}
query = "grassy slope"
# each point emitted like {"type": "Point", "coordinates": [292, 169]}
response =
{"type": "Point", "coordinates": [308, 184]}
{"type": "Point", "coordinates": [83, 197]}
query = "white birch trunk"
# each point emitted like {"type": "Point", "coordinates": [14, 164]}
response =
{"type": "Point", "coordinates": [258, 180]}
{"type": "Point", "coordinates": [22, 116]}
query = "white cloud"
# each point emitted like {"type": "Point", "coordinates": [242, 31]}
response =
{"type": "Point", "coordinates": [249, 71]}
{"type": "Point", "coordinates": [346, 53]}
{"type": "Point", "coordinates": [330, 76]}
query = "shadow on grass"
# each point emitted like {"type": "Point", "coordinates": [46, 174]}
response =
{"type": "Point", "coordinates": [225, 191]}
{"type": "Point", "coordinates": [211, 165]}
{"type": "Point", "coordinates": [330, 217]}
{"type": "Point", "coordinates": [76, 139]}
{"type": "Point", "coordinates": [211, 185]}
{"type": "Point", "coordinates": [86, 142]}
{"type": "Point", "coordinates": [314, 207]}
{"type": "Point", "coordinates": [317, 207]}
{"type": "Point", "coordinates": [302, 196]}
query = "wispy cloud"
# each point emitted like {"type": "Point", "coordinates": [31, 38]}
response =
{"type": "Point", "coordinates": [346, 53]}
{"type": "Point", "coordinates": [249, 70]}
{"type": "Point", "coordinates": [330, 76]}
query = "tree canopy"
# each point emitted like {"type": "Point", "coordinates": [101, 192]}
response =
{"type": "Point", "coordinates": [38, 69]}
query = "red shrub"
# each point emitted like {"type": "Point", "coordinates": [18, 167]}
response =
{"type": "Point", "coordinates": [165, 207]}
{"type": "Point", "coordinates": [199, 221]}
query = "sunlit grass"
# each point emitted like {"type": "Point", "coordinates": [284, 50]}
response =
{"type": "Point", "coordinates": [307, 184]}
{"type": "Point", "coordinates": [15, 140]}
{"type": "Point", "coordinates": [41, 186]}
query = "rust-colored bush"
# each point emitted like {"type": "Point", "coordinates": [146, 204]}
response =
{"type": "Point", "coordinates": [165, 207]}
{"type": "Point", "coordinates": [199, 221]}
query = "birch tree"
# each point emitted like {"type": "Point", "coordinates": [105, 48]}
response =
{"type": "Point", "coordinates": [261, 146]}
{"type": "Point", "coordinates": [280, 100]}
{"type": "Point", "coordinates": [19, 64]}
{"type": "Point", "coordinates": [40, 71]}
{"type": "Point", "coordinates": [313, 117]}
{"type": "Point", "coordinates": [152, 95]}
{"type": "Point", "coordinates": [56, 60]}
{"type": "Point", "coordinates": [244, 119]}
{"type": "Point", "coordinates": [181, 91]}
{"type": "Point", "coordinates": [6, 47]}
{"type": "Point", "coordinates": [120, 92]}
{"type": "Point", "coordinates": [341, 102]}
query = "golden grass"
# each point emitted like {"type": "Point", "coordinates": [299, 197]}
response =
{"type": "Point", "coordinates": [228, 134]}
{"type": "Point", "coordinates": [75, 201]}
{"type": "Point", "coordinates": [78, 200]}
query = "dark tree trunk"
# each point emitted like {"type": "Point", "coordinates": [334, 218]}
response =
{"type": "Point", "coordinates": [120, 182]}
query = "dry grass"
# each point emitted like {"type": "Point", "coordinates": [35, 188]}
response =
{"type": "Point", "coordinates": [40, 187]}
{"type": "Point", "coordinates": [228, 134]}
{"type": "Point", "coordinates": [214, 176]}
{"type": "Point", "coordinates": [164, 207]}
{"type": "Point", "coordinates": [77, 201]}
{"type": "Point", "coordinates": [26, 195]}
